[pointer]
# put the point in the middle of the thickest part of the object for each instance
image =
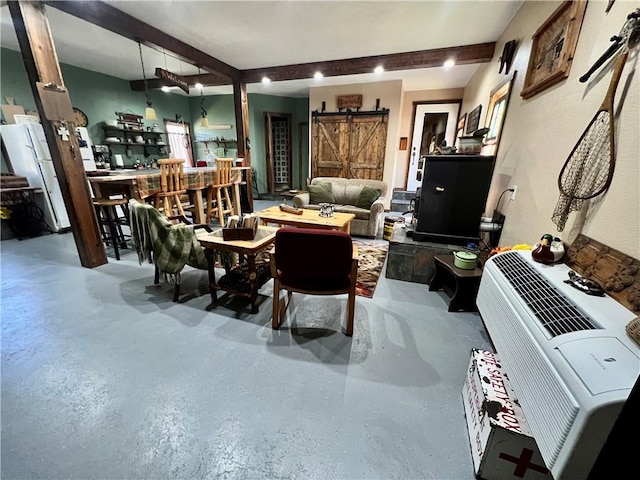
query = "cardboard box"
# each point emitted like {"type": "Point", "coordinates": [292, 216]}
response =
{"type": "Point", "coordinates": [502, 445]}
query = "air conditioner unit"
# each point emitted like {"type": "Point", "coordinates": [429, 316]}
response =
{"type": "Point", "coordinates": [569, 359]}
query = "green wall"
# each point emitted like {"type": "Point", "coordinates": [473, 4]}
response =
{"type": "Point", "coordinates": [99, 96]}
{"type": "Point", "coordinates": [220, 110]}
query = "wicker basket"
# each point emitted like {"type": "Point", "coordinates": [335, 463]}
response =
{"type": "Point", "coordinates": [633, 329]}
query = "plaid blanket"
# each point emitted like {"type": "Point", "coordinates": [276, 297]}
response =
{"type": "Point", "coordinates": [193, 179]}
{"type": "Point", "coordinates": [156, 240]}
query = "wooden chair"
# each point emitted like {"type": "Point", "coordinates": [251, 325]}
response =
{"type": "Point", "coordinates": [221, 189]}
{"type": "Point", "coordinates": [168, 201]}
{"type": "Point", "coordinates": [313, 262]}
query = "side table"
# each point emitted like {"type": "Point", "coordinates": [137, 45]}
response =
{"type": "Point", "coordinates": [248, 275]}
{"type": "Point", "coordinates": [460, 285]}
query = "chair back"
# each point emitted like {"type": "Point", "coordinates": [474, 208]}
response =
{"type": "Point", "coordinates": [309, 254]}
{"type": "Point", "coordinates": [171, 174]}
{"type": "Point", "coordinates": [223, 171]}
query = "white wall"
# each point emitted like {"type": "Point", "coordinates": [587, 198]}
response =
{"type": "Point", "coordinates": [540, 132]}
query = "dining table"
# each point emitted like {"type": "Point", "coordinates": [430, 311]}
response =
{"type": "Point", "coordinates": [143, 184]}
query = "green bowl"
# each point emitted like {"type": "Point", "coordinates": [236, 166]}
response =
{"type": "Point", "coordinates": [465, 260]}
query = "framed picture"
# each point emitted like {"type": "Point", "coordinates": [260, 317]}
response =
{"type": "Point", "coordinates": [461, 124]}
{"type": "Point", "coordinates": [496, 113]}
{"type": "Point", "coordinates": [473, 120]}
{"type": "Point", "coordinates": [554, 45]}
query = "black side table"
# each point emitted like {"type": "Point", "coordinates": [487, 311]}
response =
{"type": "Point", "coordinates": [460, 285]}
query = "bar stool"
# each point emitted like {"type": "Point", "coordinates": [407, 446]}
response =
{"type": "Point", "coordinates": [110, 223]}
{"type": "Point", "coordinates": [223, 203]}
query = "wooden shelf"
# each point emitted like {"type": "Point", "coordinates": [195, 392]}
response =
{"type": "Point", "coordinates": [125, 130]}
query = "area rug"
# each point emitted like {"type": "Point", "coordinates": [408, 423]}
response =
{"type": "Point", "coordinates": [371, 257]}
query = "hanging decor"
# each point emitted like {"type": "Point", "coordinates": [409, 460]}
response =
{"type": "Point", "coordinates": [172, 78]}
{"type": "Point", "coordinates": [204, 122]}
{"type": "Point", "coordinates": [149, 112]}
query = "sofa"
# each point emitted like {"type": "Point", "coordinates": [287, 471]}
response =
{"type": "Point", "coordinates": [346, 193]}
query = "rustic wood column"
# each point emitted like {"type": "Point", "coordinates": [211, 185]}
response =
{"type": "Point", "coordinates": [41, 63]}
{"type": "Point", "coordinates": [241, 104]}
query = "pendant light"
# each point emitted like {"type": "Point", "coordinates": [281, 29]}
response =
{"type": "Point", "coordinates": [149, 112]}
{"type": "Point", "coordinates": [204, 122]}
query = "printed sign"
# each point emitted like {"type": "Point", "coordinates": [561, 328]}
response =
{"type": "Point", "coordinates": [172, 78]}
{"type": "Point", "coordinates": [349, 101]}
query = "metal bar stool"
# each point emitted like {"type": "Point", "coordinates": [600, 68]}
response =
{"type": "Point", "coordinates": [111, 223]}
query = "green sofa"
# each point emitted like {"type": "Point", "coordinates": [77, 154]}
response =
{"type": "Point", "coordinates": [367, 222]}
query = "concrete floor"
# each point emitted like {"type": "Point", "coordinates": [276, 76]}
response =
{"type": "Point", "coordinates": [103, 377]}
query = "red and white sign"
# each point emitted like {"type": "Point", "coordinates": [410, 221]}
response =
{"type": "Point", "coordinates": [502, 445]}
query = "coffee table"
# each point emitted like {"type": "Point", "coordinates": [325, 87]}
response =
{"type": "Point", "coordinates": [308, 219]}
{"type": "Point", "coordinates": [247, 250]}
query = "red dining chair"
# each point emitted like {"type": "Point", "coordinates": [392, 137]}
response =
{"type": "Point", "coordinates": [313, 262]}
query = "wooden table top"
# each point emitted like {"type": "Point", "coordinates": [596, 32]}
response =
{"type": "Point", "coordinates": [265, 236]}
{"type": "Point", "coordinates": [310, 218]}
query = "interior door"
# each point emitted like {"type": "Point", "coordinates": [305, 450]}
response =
{"type": "Point", "coordinates": [278, 148]}
{"type": "Point", "coordinates": [368, 138]}
{"type": "Point", "coordinates": [330, 140]}
{"type": "Point", "coordinates": [433, 123]}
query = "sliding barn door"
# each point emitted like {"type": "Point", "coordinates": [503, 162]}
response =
{"type": "Point", "coordinates": [349, 145]}
{"type": "Point", "coordinates": [367, 146]}
{"type": "Point", "coordinates": [330, 143]}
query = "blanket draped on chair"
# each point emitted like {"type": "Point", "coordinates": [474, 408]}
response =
{"type": "Point", "coordinates": [156, 240]}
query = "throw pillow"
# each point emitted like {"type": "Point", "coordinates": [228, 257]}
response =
{"type": "Point", "coordinates": [321, 193]}
{"type": "Point", "coordinates": [367, 196]}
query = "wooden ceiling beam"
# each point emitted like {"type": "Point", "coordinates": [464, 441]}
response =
{"type": "Point", "coordinates": [117, 21]}
{"type": "Point", "coordinates": [463, 55]}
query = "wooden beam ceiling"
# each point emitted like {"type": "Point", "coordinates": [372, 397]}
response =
{"type": "Point", "coordinates": [464, 55]}
{"type": "Point", "coordinates": [114, 20]}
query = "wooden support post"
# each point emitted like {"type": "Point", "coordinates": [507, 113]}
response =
{"type": "Point", "coordinates": [41, 62]}
{"type": "Point", "coordinates": [241, 104]}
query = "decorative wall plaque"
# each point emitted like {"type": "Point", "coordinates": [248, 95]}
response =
{"type": "Point", "coordinates": [349, 101]}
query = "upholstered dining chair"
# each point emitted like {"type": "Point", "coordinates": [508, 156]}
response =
{"type": "Point", "coordinates": [221, 189]}
{"type": "Point", "coordinates": [313, 262]}
{"type": "Point", "coordinates": [172, 186]}
{"type": "Point", "coordinates": [169, 246]}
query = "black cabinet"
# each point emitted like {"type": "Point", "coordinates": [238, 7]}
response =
{"type": "Point", "coordinates": [452, 198]}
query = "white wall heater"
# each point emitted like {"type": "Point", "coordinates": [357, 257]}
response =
{"type": "Point", "coordinates": [566, 353]}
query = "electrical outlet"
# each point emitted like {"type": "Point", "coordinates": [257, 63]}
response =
{"type": "Point", "coordinates": [513, 194]}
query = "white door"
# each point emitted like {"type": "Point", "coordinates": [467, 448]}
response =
{"type": "Point", "coordinates": [434, 122]}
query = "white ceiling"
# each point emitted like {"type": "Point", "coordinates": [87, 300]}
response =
{"type": "Point", "coordinates": [254, 34]}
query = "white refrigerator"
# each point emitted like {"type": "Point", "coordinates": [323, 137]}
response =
{"type": "Point", "coordinates": [88, 160]}
{"type": "Point", "coordinates": [29, 155]}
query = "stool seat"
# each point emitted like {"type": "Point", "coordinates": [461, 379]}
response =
{"type": "Point", "coordinates": [110, 223]}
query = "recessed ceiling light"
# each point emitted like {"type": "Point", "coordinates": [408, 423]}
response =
{"type": "Point", "coordinates": [318, 75]}
{"type": "Point", "coordinates": [265, 80]}
{"type": "Point", "coordinates": [378, 69]}
{"type": "Point", "coordinates": [449, 63]}
{"type": "Point", "coordinates": [165, 88]}
{"type": "Point", "coordinates": [198, 86]}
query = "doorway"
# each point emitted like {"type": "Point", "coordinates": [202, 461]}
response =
{"type": "Point", "coordinates": [433, 123]}
{"type": "Point", "coordinates": [278, 148]}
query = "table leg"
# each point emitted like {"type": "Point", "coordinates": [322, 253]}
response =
{"type": "Point", "coordinates": [236, 199]}
{"type": "Point", "coordinates": [253, 282]}
{"type": "Point", "coordinates": [198, 205]}
{"type": "Point", "coordinates": [211, 262]}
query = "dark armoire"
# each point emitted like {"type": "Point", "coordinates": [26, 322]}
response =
{"type": "Point", "coordinates": [452, 198]}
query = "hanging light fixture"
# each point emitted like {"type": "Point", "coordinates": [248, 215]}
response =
{"type": "Point", "coordinates": [149, 112]}
{"type": "Point", "coordinates": [204, 122]}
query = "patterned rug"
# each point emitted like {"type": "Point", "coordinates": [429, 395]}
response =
{"type": "Point", "coordinates": [371, 257]}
